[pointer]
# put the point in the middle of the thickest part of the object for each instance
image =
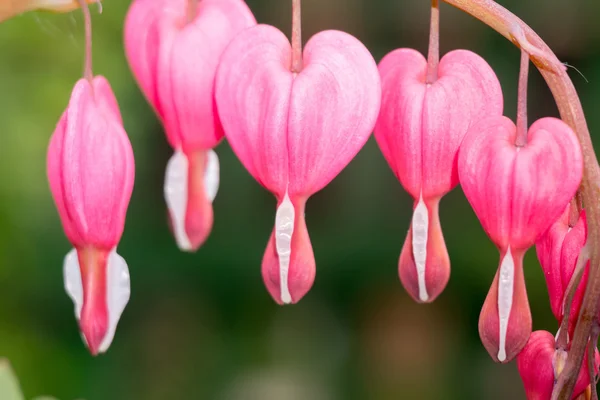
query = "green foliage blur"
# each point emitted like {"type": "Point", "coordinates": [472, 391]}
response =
{"type": "Point", "coordinates": [202, 326]}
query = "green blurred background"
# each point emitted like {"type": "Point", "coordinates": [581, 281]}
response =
{"type": "Point", "coordinates": [202, 326]}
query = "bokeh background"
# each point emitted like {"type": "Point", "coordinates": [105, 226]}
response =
{"type": "Point", "coordinates": [202, 326]}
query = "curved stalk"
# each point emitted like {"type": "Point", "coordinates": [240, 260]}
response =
{"type": "Point", "coordinates": [433, 56]}
{"type": "Point", "coordinates": [569, 106]}
{"type": "Point", "coordinates": [87, 66]}
{"type": "Point", "coordinates": [296, 36]}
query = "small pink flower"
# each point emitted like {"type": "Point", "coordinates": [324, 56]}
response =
{"type": "Point", "coordinates": [517, 193]}
{"type": "Point", "coordinates": [295, 131]}
{"type": "Point", "coordinates": [174, 57]}
{"type": "Point", "coordinates": [420, 128]}
{"type": "Point", "coordinates": [91, 174]}
{"type": "Point", "coordinates": [539, 367]}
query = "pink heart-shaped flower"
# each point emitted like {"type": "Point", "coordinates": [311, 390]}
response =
{"type": "Point", "coordinates": [294, 132]}
{"type": "Point", "coordinates": [517, 193]}
{"type": "Point", "coordinates": [419, 130]}
{"type": "Point", "coordinates": [174, 57]}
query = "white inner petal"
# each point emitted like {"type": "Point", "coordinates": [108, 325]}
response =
{"type": "Point", "coordinates": [72, 281]}
{"type": "Point", "coordinates": [117, 286]}
{"type": "Point", "coordinates": [118, 289]}
{"type": "Point", "coordinates": [211, 176]}
{"type": "Point", "coordinates": [176, 195]}
{"type": "Point", "coordinates": [420, 226]}
{"type": "Point", "coordinates": [505, 299]}
{"type": "Point", "coordinates": [284, 228]}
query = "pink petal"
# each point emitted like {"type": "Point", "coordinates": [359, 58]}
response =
{"type": "Point", "coordinates": [188, 59]}
{"type": "Point", "coordinates": [54, 168]}
{"type": "Point", "coordinates": [199, 215]}
{"type": "Point", "coordinates": [97, 168]}
{"type": "Point", "coordinates": [421, 125]}
{"type": "Point", "coordinates": [398, 129]}
{"type": "Point", "coordinates": [142, 43]}
{"type": "Point", "coordinates": [485, 166]}
{"type": "Point", "coordinates": [105, 97]}
{"type": "Point", "coordinates": [333, 108]}
{"type": "Point", "coordinates": [517, 193]}
{"type": "Point", "coordinates": [253, 89]}
{"type": "Point", "coordinates": [548, 171]}
{"type": "Point", "coordinates": [536, 367]}
{"type": "Point", "coordinates": [302, 129]}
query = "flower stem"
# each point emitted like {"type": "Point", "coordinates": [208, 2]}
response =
{"type": "Point", "coordinates": [522, 101]}
{"type": "Point", "coordinates": [87, 65]}
{"type": "Point", "coordinates": [575, 210]}
{"type": "Point", "coordinates": [433, 57]}
{"type": "Point", "coordinates": [570, 109]}
{"type": "Point", "coordinates": [296, 36]}
{"type": "Point", "coordinates": [192, 11]}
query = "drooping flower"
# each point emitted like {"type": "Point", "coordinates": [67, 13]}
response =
{"type": "Point", "coordinates": [426, 111]}
{"type": "Point", "coordinates": [295, 130]}
{"type": "Point", "coordinates": [91, 175]}
{"type": "Point", "coordinates": [174, 51]}
{"type": "Point", "coordinates": [516, 192]}
{"type": "Point", "coordinates": [539, 367]}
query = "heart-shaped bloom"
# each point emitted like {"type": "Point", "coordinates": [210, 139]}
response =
{"type": "Point", "coordinates": [420, 128]}
{"type": "Point", "coordinates": [539, 367]}
{"type": "Point", "coordinates": [294, 132]}
{"type": "Point", "coordinates": [91, 174]}
{"type": "Point", "coordinates": [174, 57]}
{"type": "Point", "coordinates": [517, 193]}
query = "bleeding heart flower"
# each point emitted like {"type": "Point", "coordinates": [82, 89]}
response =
{"type": "Point", "coordinates": [517, 193]}
{"type": "Point", "coordinates": [91, 174]}
{"type": "Point", "coordinates": [420, 128]}
{"type": "Point", "coordinates": [295, 131]}
{"type": "Point", "coordinates": [539, 367]}
{"type": "Point", "coordinates": [174, 57]}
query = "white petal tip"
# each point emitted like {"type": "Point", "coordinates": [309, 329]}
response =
{"type": "Point", "coordinates": [211, 176]}
{"type": "Point", "coordinates": [286, 298]}
{"type": "Point", "coordinates": [118, 292]}
{"type": "Point", "coordinates": [502, 355]}
{"type": "Point", "coordinates": [176, 197]}
{"type": "Point", "coordinates": [72, 281]}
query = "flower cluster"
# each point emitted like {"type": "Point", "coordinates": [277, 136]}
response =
{"type": "Point", "coordinates": [295, 117]}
